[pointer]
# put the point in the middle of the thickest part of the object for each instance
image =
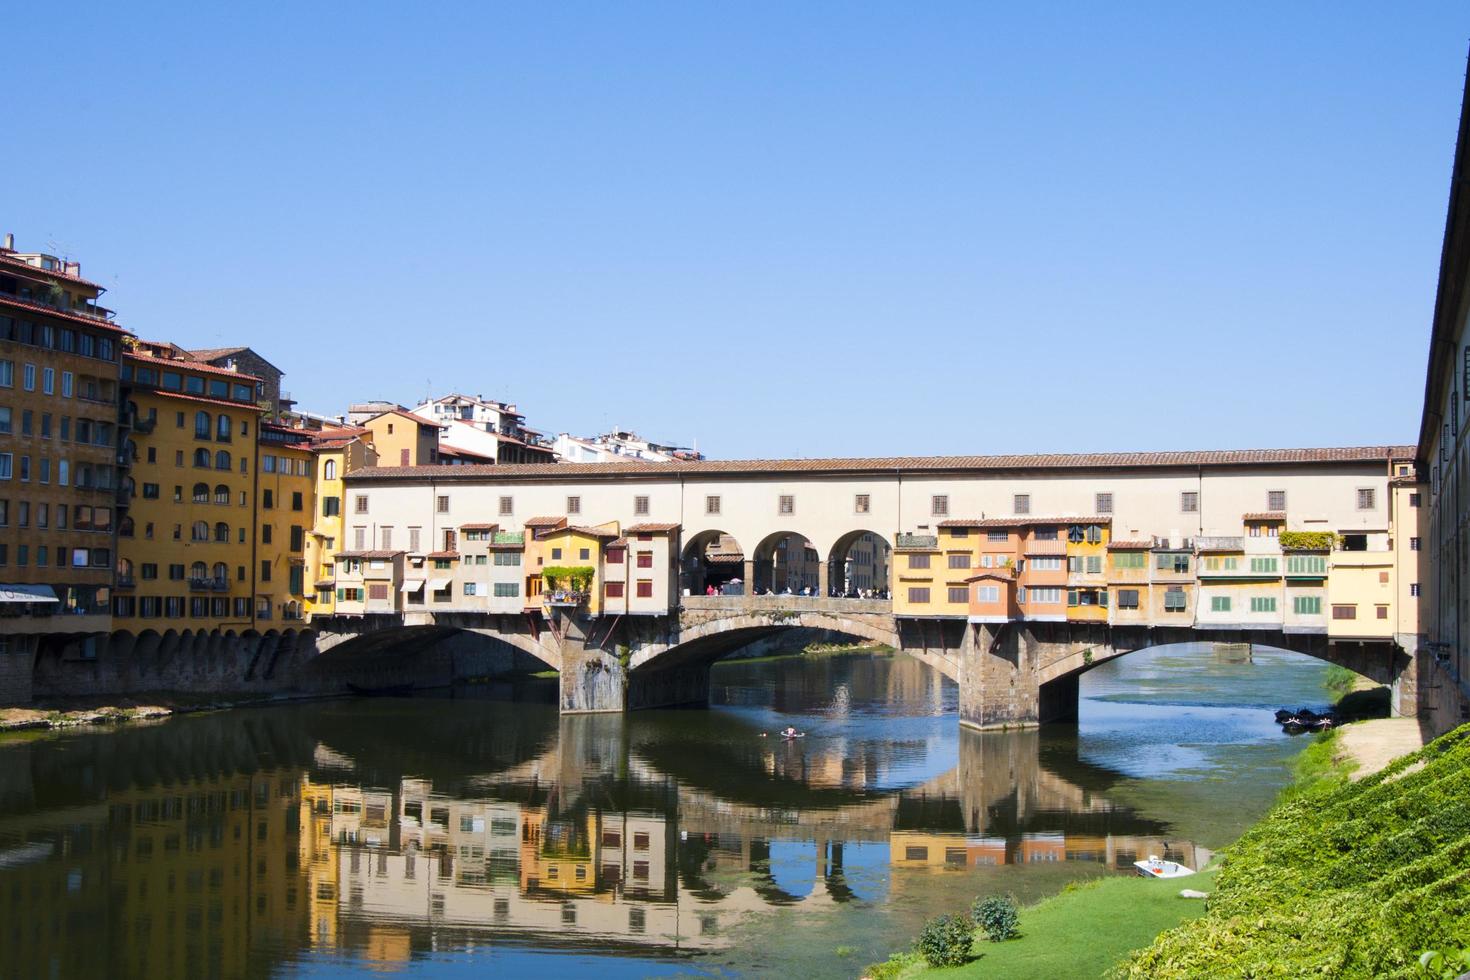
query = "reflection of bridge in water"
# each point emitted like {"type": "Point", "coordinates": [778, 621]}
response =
{"type": "Point", "coordinates": [564, 832]}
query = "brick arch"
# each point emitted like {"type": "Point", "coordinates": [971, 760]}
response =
{"type": "Point", "coordinates": [409, 638]}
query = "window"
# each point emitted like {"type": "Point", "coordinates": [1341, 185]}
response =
{"type": "Point", "coordinates": [1414, 589]}
{"type": "Point", "coordinates": [48, 381]}
{"type": "Point", "coordinates": [1127, 598]}
{"type": "Point", "coordinates": [1382, 611]}
{"type": "Point", "coordinates": [786, 504]}
{"type": "Point", "coordinates": [1263, 565]}
{"type": "Point", "coordinates": [265, 570]}
{"type": "Point", "coordinates": [556, 554]}
{"type": "Point", "coordinates": [1413, 500]}
{"type": "Point", "coordinates": [1263, 604]}
{"type": "Point", "coordinates": [711, 505]}
{"type": "Point", "coordinates": [1129, 559]}
{"type": "Point", "coordinates": [1174, 599]}
{"type": "Point", "coordinates": [645, 588]}
{"type": "Point", "coordinates": [1276, 500]}
{"type": "Point", "coordinates": [6, 465]}
{"type": "Point", "coordinates": [1343, 611]}
{"type": "Point", "coordinates": [7, 374]}
{"type": "Point", "coordinates": [957, 594]}
{"type": "Point", "coordinates": [919, 595]}
{"type": "Point", "coordinates": [506, 506]}
{"type": "Point", "coordinates": [645, 559]}
{"type": "Point", "coordinates": [613, 590]}
{"type": "Point", "coordinates": [505, 590]}
{"type": "Point", "coordinates": [1367, 499]}
{"type": "Point", "coordinates": [939, 505]}
{"type": "Point", "coordinates": [1414, 544]}
{"type": "Point", "coordinates": [441, 503]}
{"type": "Point", "coordinates": [359, 504]}
{"type": "Point", "coordinates": [1189, 502]}
{"type": "Point", "coordinates": [331, 506]}
{"type": "Point", "coordinates": [28, 378]}
{"type": "Point", "coordinates": [1094, 564]}
{"type": "Point", "coordinates": [507, 558]}
{"type": "Point", "coordinates": [1307, 605]}
{"type": "Point", "coordinates": [640, 506]}
{"type": "Point", "coordinates": [919, 561]}
{"type": "Point", "coordinates": [1021, 503]}
{"type": "Point", "coordinates": [957, 561]}
{"type": "Point", "coordinates": [1104, 503]}
{"type": "Point", "coordinates": [329, 470]}
{"type": "Point", "coordinates": [1219, 603]}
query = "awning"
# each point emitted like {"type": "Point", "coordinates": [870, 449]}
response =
{"type": "Point", "coordinates": [27, 593]}
{"type": "Point", "coordinates": [439, 584]}
{"type": "Point", "coordinates": [413, 585]}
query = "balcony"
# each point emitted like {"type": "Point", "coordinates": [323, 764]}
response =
{"type": "Point", "coordinates": [209, 585]}
{"type": "Point", "coordinates": [565, 597]}
{"type": "Point", "coordinates": [123, 582]}
{"type": "Point", "coordinates": [916, 541]}
{"type": "Point", "coordinates": [1219, 543]}
{"type": "Point", "coordinates": [508, 537]}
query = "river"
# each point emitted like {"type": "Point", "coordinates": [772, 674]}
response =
{"type": "Point", "coordinates": [455, 835]}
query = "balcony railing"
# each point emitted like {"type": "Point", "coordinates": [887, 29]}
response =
{"type": "Point", "coordinates": [1217, 543]}
{"type": "Point", "coordinates": [564, 597]}
{"type": "Point", "coordinates": [123, 582]}
{"type": "Point", "coordinates": [209, 585]}
{"type": "Point", "coordinates": [917, 541]}
{"type": "Point", "coordinates": [508, 537]}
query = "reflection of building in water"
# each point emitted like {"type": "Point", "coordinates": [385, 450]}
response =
{"type": "Point", "coordinates": [909, 849]}
{"type": "Point", "coordinates": [196, 878]}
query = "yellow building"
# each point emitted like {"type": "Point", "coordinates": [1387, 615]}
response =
{"type": "Point", "coordinates": [1087, 574]}
{"type": "Point", "coordinates": [339, 451]}
{"type": "Point", "coordinates": [1410, 523]}
{"type": "Point", "coordinates": [930, 570]}
{"type": "Point", "coordinates": [1360, 594]}
{"type": "Point", "coordinates": [286, 496]}
{"type": "Point", "coordinates": [556, 544]}
{"type": "Point", "coordinates": [404, 439]}
{"type": "Point", "coordinates": [187, 547]}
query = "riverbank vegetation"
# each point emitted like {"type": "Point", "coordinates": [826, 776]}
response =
{"type": "Point", "coordinates": [1083, 932]}
{"type": "Point", "coordinates": [1344, 879]}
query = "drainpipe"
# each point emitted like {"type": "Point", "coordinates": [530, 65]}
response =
{"type": "Point", "coordinates": [254, 522]}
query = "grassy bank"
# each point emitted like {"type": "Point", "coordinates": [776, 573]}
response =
{"type": "Point", "coordinates": [1343, 879]}
{"type": "Point", "coordinates": [1083, 932]}
{"type": "Point", "coordinates": [814, 650]}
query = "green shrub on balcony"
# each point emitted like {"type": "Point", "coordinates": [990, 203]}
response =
{"type": "Point", "coordinates": [1308, 540]}
{"type": "Point", "coordinates": [571, 578]}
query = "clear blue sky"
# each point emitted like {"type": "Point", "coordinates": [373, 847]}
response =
{"type": "Point", "coordinates": [782, 230]}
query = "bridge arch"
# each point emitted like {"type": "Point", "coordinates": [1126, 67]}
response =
{"type": "Point", "coordinates": [421, 654]}
{"type": "Point", "coordinates": [858, 563]}
{"type": "Point", "coordinates": [712, 558]}
{"type": "Point", "coordinates": [786, 562]}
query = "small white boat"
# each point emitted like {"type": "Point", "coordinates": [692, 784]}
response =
{"type": "Point", "coordinates": [1156, 868]}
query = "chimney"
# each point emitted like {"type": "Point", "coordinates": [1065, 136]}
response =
{"type": "Point", "coordinates": [10, 241]}
{"type": "Point", "coordinates": [73, 269]}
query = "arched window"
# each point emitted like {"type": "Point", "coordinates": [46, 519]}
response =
{"type": "Point", "coordinates": [222, 494]}
{"type": "Point", "coordinates": [222, 460]}
{"type": "Point", "coordinates": [200, 531]}
{"type": "Point", "coordinates": [223, 429]}
{"type": "Point", "coordinates": [221, 572]}
{"type": "Point", "coordinates": [198, 571]}
{"type": "Point", "coordinates": [222, 532]}
{"type": "Point", "coordinates": [201, 458]}
{"type": "Point", "coordinates": [201, 493]}
{"type": "Point", "coordinates": [202, 423]}
{"type": "Point", "coordinates": [329, 470]}
{"type": "Point", "coordinates": [124, 568]}
{"type": "Point", "coordinates": [125, 527]}
{"type": "Point", "coordinates": [132, 450]}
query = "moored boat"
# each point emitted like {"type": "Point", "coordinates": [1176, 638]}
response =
{"type": "Point", "coordinates": [1156, 867]}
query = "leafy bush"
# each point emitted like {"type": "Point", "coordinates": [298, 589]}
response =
{"type": "Point", "coordinates": [996, 916]}
{"type": "Point", "coordinates": [1307, 540]}
{"type": "Point", "coordinates": [573, 577]}
{"type": "Point", "coordinates": [946, 940]}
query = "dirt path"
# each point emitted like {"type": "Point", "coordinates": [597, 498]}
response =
{"type": "Point", "coordinates": [1374, 744]}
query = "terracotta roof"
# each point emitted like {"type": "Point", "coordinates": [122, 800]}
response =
{"type": "Point", "coordinates": [1130, 545]}
{"type": "Point", "coordinates": [442, 554]}
{"type": "Point", "coordinates": [591, 532]}
{"type": "Point", "coordinates": [1265, 515]}
{"type": "Point", "coordinates": [212, 353]}
{"type": "Point", "coordinates": [618, 543]}
{"type": "Point", "coordinates": [1028, 521]}
{"type": "Point", "coordinates": [544, 521]}
{"type": "Point", "coordinates": [503, 545]}
{"type": "Point", "coordinates": [199, 366]}
{"type": "Point", "coordinates": [652, 528]}
{"type": "Point", "coordinates": [408, 415]}
{"type": "Point", "coordinates": [325, 583]}
{"type": "Point", "coordinates": [447, 450]}
{"type": "Point", "coordinates": [995, 575]}
{"type": "Point", "coordinates": [370, 555]}
{"type": "Point", "coordinates": [926, 464]}
{"type": "Point", "coordinates": [10, 259]}
{"type": "Point", "coordinates": [242, 406]}
{"type": "Point", "coordinates": [42, 308]}
{"type": "Point", "coordinates": [479, 527]}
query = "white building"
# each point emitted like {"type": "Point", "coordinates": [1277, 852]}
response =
{"type": "Point", "coordinates": [616, 446]}
{"type": "Point", "coordinates": [487, 428]}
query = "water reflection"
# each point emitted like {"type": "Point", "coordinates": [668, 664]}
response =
{"type": "Point", "coordinates": [235, 844]}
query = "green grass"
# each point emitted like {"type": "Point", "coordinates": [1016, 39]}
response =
{"type": "Point", "coordinates": [1339, 680]}
{"type": "Point", "coordinates": [813, 650]}
{"type": "Point", "coordinates": [1343, 879]}
{"type": "Point", "coordinates": [1083, 932]}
